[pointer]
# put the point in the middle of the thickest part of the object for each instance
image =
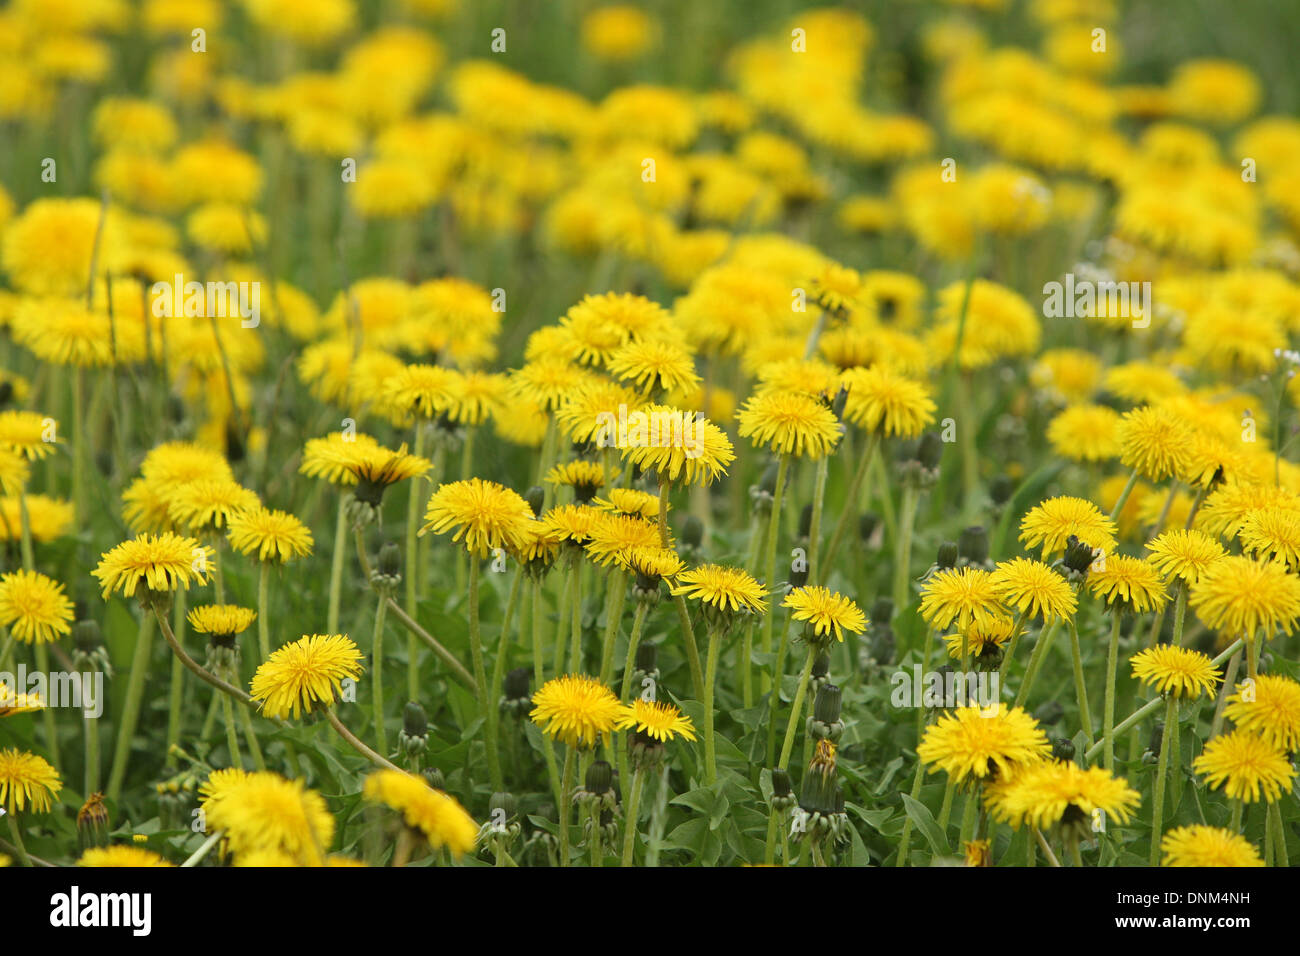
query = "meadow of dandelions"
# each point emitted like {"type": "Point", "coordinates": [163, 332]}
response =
{"type": "Point", "coordinates": [444, 433]}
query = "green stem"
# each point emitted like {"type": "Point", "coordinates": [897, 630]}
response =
{"type": "Point", "coordinates": [336, 566]}
{"type": "Point", "coordinates": [849, 516]}
{"type": "Point", "coordinates": [815, 524]}
{"type": "Point", "coordinates": [903, 548]}
{"type": "Point", "coordinates": [1108, 718]}
{"type": "Point", "coordinates": [1162, 775]}
{"type": "Point", "coordinates": [486, 704]}
{"type": "Point", "coordinates": [769, 561]}
{"type": "Point", "coordinates": [263, 622]}
{"type": "Point", "coordinates": [630, 816]}
{"type": "Point", "coordinates": [131, 710]}
{"type": "Point", "coordinates": [232, 735]}
{"type": "Point", "coordinates": [1080, 685]}
{"type": "Point", "coordinates": [1041, 648]}
{"type": "Point", "coordinates": [796, 707]}
{"type": "Point", "coordinates": [566, 789]}
{"type": "Point", "coordinates": [692, 649]}
{"type": "Point", "coordinates": [710, 677]}
{"type": "Point", "coordinates": [413, 567]}
{"type": "Point", "coordinates": [1122, 500]}
{"type": "Point", "coordinates": [614, 598]}
{"type": "Point", "coordinates": [377, 674]}
{"type": "Point", "coordinates": [23, 858]}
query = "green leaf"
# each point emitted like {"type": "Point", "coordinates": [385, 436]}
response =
{"type": "Point", "coordinates": [924, 822]}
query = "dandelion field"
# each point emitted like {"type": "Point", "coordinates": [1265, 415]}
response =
{"type": "Point", "coordinates": [457, 434]}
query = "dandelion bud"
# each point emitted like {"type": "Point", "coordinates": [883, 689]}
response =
{"type": "Point", "coordinates": [434, 778]}
{"type": "Point", "coordinates": [973, 545]}
{"type": "Point", "coordinates": [1078, 558]}
{"type": "Point", "coordinates": [782, 794]}
{"type": "Point", "coordinates": [390, 560]}
{"type": "Point", "coordinates": [1062, 749]}
{"type": "Point", "coordinates": [1000, 490]}
{"type": "Point", "coordinates": [516, 698]}
{"type": "Point", "coordinates": [929, 451]}
{"type": "Point", "coordinates": [821, 670]}
{"type": "Point", "coordinates": [502, 806]}
{"type": "Point", "coordinates": [415, 722]}
{"type": "Point", "coordinates": [799, 575]}
{"type": "Point", "coordinates": [947, 557]}
{"type": "Point", "coordinates": [414, 737]}
{"type": "Point", "coordinates": [805, 521]}
{"type": "Point", "coordinates": [600, 776]}
{"type": "Point", "coordinates": [647, 658]}
{"type": "Point", "coordinates": [535, 496]}
{"type": "Point", "coordinates": [825, 723]}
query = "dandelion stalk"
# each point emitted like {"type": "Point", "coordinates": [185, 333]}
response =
{"type": "Point", "coordinates": [1080, 685]}
{"type": "Point", "coordinates": [903, 546]}
{"type": "Point", "coordinates": [815, 522]}
{"type": "Point", "coordinates": [336, 567]}
{"type": "Point", "coordinates": [485, 702]}
{"type": "Point", "coordinates": [715, 636]}
{"type": "Point", "coordinates": [566, 791]}
{"type": "Point", "coordinates": [176, 688]}
{"type": "Point", "coordinates": [796, 707]}
{"type": "Point", "coordinates": [1122, 500]}
{"type": "Point", "coordinates": [232, 734]}
{"type": "Point", "coordinates": [353, 742]}
{"type": "Point", "coordinates": [769, 559]}
{"type": "Point", "coordinates": [615, 597]}
{"type": "Point", "coordinates": [1108, 717]}
{"type": "Point", "coordinates": [131, 710]}
{"type": "Point", "coordinates": [1036, 656]}
{"type": "Point", "coordinates": [1162, 775]}
{"type": "Point", "coordinates": [630, 815]}
{"type": "Point", "coordinates": [413, 566]}
{"type": "Point", "coordinates": [849, 515]}
{"type": "Point", "coordinates": [377, 655]}
{"type": "Point", "coordinates": [23, 858]}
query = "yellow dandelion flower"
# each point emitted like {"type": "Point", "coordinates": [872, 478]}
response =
{"type": "Point", "coordinates": [970, 744]}
{"type": "Point", "coordinates": [1054, 792]}
{"type": "Point", "coordinates": [263, 812]}
{"type": "Point", "coordinates": [486, 515]}
{"type": "Point", "coordinates": [163, 562]}
{"type": "Point", "coordinates": [1152, 441]}
{"type": "Point", "coordinates": [575, 709]}
{"type": "Point", "coordinates": [1241, 597]}
{"type": "Point", "coordinates": [1246, 767]}
{"type": "Point", "coordinates": [271, 534]}
{"type": "Point", "coordinates": [1176, 671]}
{"type": "Point", "coordinates": [1034, 589]}
{"type": "Point", "coordinates": [34, 607]}
{"type": "Point", "coordinates": [722, 589]}
{"type": "Point", "coordinates": [885, 403]}
{"type": "Point", "coordinates": [441, 819]}
{"type": "Point", "coordinates": [132, 857]}
{"type": "Point", "coordinates": [221, 620]}
{"type": "Point", "coordinates": [1128, 584]}
{"type": "Point", "coordinates": [962, 595]}
{"type": "Point", "coordinates": [789, 424]}
{"type": "Point", "coordinates": [1185, 555]}
{"type": "Point", "coordinates": [656, 719]}
{"type": "Point", "coordinates": [678, 446]}
{"type": "Point", "coordinates": [1199, 845]}
{"type": "Point", "coordinates": [307, 671]}
{"type": "Point", "coordinates": [1052, 522]}
{"type": "Point", "coordinates": [1272, 533]}
{"type": "Point", "coordinates": [654, 364]}
{"type": "Point", "coordinates": [1085, 433]}
{"type": "Point", "coordinates": [30, 434]}
{"type": "Point", "coordinates": [825, 611]}
{"type": "Point", "coordinates": [27, 780]}
{"type": "Point", "coordinates": [613, 538]}
{"type": "Point", "coordinates": [209, 503]}
{"type": "Point", "coordinates": [1269, 706]}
